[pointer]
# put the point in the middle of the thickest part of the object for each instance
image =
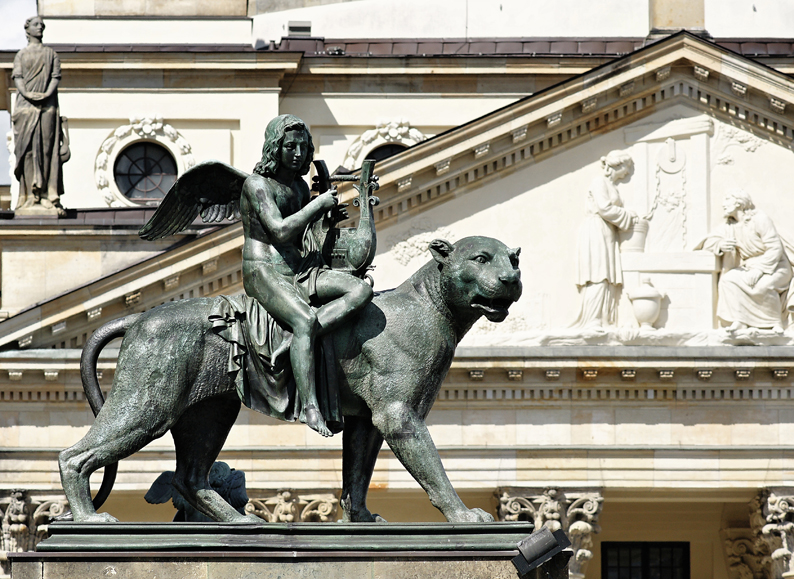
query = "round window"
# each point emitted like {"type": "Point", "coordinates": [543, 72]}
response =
{"type": "Point", "coordinates": [144, 171]}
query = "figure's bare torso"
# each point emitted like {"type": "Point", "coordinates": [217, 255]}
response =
{"type": "Point", "coordinates": [260, 244]}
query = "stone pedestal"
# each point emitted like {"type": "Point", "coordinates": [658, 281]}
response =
{"type": "Point", "coordinates": [286, 551]}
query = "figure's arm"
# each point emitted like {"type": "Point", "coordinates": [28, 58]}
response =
{"type": "Point", "coordinates": [55, 77]}
{"type": "Point", "coordinates": [618, 216]}
{"type": "Point", "coordinates": [38, 97]}
{"type": "Point", "coordinates": [767, 262]}
{"type": "Point", "coordinates": [280, 229]}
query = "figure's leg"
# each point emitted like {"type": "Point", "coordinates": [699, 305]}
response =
{"type": "Point", "coordinates": [49, 137]}
{"type": "Point", "coordinates": [342, 294]}
{"type": "Point", "coordinates": [284, 303]}
{"type": "Point", "coordinates": [198, 437]}
{"type": "Point", "coordinates": [116, 434]}
{"type": "Point", "coordinates": [28, 181]}
{"type": "Point", "coordinates": [361, 443]}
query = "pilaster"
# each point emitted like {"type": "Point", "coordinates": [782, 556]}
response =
{"type": "Point", "coordinates": [574, 511]}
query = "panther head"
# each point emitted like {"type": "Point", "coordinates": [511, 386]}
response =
{"type": "Point", "coordinates": [479, 276]}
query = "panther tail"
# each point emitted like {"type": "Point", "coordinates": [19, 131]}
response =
{"type": "Point", "coordinates": [93, 393]}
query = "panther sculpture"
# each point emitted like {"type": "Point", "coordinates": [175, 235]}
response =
{"type": "Point", "coordinates": [172, 374]}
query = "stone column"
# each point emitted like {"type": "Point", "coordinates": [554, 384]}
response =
{"type": "Point", "coordinates": [25, 521]}
{"type": "Point", "coordinates": [574, 511]}
{"type": "Point", "coordinates": [772, 523]}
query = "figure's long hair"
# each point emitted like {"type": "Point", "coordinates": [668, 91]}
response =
{"type": "Point", "coordinates": [274, 138]}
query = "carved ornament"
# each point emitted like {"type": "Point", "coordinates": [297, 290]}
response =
{"type": "Point", "coordinates": [291, 507]}
{"type": "Point", "coordinates": [146, 128]}
{"type": "Point", "coordinates": [25, 521]}
{"type": "Point", "coordinates": [574, 512]}
{"type": "Point", "coordinates": [416, 241]}
{"type": "Point", "coordinates": [398, 131]}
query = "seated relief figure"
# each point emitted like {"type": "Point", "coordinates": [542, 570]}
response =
{"type": "Point", "coordinates": [599, 271]}
{"type": "Point", "coordinates": [756, 272]}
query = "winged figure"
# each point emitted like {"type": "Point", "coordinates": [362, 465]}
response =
{"type": "Point", "coordinates": [300, 268]}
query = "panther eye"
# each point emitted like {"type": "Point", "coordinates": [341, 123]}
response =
{"type": "Point", "coordinates": [481, 259]}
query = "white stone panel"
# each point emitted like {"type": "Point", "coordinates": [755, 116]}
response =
{"type": "Point", "coordinates": [148, 31]}
{"type": "Point", "coordinates": [446, 19]}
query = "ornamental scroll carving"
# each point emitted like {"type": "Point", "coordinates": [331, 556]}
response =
{"type": "Point", "coordinates": [25, 521]}
{"type": "Point", "coordinates": [575, 512]}
{"type": "Point", "coordinates": [291, 507]}
{"type": "Point", "coordinates": [150, 128]}
{"type": "Point", "coordinates": [772, 522]}
{"type": "Point", "coordinates": [397, 131]}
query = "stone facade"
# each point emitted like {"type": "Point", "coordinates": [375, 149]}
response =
{"type": "Point", "coordinates": [662, 430]}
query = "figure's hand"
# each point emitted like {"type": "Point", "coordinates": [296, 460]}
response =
{"type": "Point", "coordinates": [328, 200]}
{"type": "Point", "coordinates": [727, 245]}
{"type": "Point", "coordinates": [341, 212]}
{"type": "Point", "coordinates": [752, 276]}
{"type": "Point", "coordinates": [35, 97]}
{"type": "Point", "coordinates": [634, 218]}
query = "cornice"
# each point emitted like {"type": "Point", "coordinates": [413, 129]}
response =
{"type": "Point", "coordinates": [484, 379]}
{"type": "Point", "coordinates": [205, 266]}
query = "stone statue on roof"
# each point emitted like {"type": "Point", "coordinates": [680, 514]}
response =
{"type": "Point", "coordinates": [41, 144]}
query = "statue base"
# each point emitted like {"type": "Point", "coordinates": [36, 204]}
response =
{"type": "Point", "coordinates": [38, 212]}
{"type": "Point", "coordinates": [270, 550]}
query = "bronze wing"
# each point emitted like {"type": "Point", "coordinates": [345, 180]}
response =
{"type": "Point", "coordinates": [210, 189]}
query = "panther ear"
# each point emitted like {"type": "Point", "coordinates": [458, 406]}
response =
{"type": "Point", "coordinates": [516, 251]}
{"type": "Point", "coordinates": [441, 248]}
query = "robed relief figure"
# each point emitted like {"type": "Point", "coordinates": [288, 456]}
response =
{"type": "Point", "coordinates": [297, 297]}
{"type": "Point", "coordinates": [756, 271]}
{"type": "Point", "coordinates": [40, 143]}
{"type": "Point", "coordinates": [599, 271]}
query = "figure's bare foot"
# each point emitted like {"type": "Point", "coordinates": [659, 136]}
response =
{"type": "Point", "coordinates": [315, 421]}
{"type": "Point", "coordinates": [736, 326]}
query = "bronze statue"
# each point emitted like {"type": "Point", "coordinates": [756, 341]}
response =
{"type": "Point", "coordinates": [283, 264]}
{"type": "Point", "coordinates": [41, 145]}
{"type": "Point", "coordinates": [391, 360]}
{"type": "Point", "coordinates": [186, 366]}
{"type": "Point", "coordinates": [283, 267]}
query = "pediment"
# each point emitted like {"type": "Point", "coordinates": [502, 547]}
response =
{"type": "Point", "coordinates": [682, 69]}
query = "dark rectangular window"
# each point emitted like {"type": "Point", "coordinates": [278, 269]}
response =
{"type": "Point", "coordinates": [644, 560]}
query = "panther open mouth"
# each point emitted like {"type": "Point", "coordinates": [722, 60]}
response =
{"type": "Point", "coordinates": [493, 308]}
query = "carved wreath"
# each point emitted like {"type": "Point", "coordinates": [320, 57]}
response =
{"type": "Point", "coordinates": [397, 131]}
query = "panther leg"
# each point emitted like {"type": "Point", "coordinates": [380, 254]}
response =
{"type": "Point", "coordinates": [116, 434]}
{"type": "Point", "coordinates": [198, 437]}
{"type": "Point", "coordinates": [361, 443]}
{"type": "Point", "coordinates": [407, 435]}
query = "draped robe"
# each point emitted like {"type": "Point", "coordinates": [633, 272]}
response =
{"type": "Point", "coordinates": [37, 126]}
{"type": "Point", "coordinates": [598, 268]}
{"type": "Point", "coordinates": [759, 248]}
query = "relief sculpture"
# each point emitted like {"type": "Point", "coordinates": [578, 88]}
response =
{"type": "Point", "coordinates": [756, 273]}
{"type": "Point", "coordinates": [599, 272]}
